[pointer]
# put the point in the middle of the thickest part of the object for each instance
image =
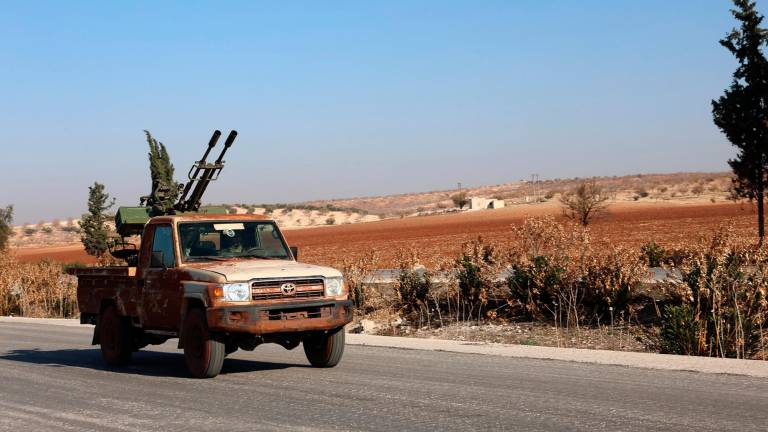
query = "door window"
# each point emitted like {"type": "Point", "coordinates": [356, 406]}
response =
{"type": "Point", "coordinates": [163, 242]}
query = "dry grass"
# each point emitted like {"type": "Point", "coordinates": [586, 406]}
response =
{"type": "Point", "coordinates": [582, 288]}
{"type": "Point", "coordinates": [39, 289]}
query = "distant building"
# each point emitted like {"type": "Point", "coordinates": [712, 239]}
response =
{"type": "Point", "coordinates": [477, 203]}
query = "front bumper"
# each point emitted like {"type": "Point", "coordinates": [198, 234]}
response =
{"type": "Point", "coordinates": [280, 317]}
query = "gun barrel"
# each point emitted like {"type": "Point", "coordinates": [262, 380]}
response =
{"type": "Point", "coordinates": [227, 145]}
{"type": "Point", "coordinates": [208, 173]}
{"type": "Point", "coordinates": [197, 167]}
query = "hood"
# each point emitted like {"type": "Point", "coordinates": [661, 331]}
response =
{"type": "Point", "coordinates": [238, 271]}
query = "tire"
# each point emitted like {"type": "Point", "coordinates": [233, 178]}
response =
{"type": "Point", "coordinates": [325, 350]}
{"type": "Point", "coordinates": [204, 355]}
{"type": "Point", "coordinates": [115, 337]}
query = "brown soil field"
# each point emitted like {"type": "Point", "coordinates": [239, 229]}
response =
{"type": "Point", "coordinates": [630, 224]}
{"type": "Point", "coordinates": [65, 254]}
{"type": "Point", "coordinates": [441, 236]}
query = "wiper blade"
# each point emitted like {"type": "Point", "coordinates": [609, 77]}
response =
{"type": "Point", "coordinates": [207, 257]}
{"type": "Point", "coordinates": [262, 257]}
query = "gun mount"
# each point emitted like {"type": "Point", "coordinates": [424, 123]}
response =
{"type": "Point", "coordinates": [204, 173]}
{"type": "Point", "coordinates": [130, 221]}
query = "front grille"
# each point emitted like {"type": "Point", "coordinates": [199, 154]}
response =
{"type": "Point", "coordinates": [270, 290]}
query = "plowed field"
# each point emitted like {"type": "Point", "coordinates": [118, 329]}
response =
{"type": "Point", "coordinates": [631, 224]}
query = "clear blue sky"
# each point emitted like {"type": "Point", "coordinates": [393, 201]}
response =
{"type": "Point", "coordinates": [341, 99]}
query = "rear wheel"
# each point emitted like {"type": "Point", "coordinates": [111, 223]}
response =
{"type": "Point", "coordinates": [325, 350]}
{"type": "Point", "coordinates": [204, 356]}
{"type": "Point", "coordinates": [115, 337]}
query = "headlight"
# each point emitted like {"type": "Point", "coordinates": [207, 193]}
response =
{"type": "Point", "coordinates": [334, 287]}
{"type": "Point", "coordinates": [236, 292]}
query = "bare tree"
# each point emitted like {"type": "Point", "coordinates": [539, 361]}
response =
{"type": "Point", "coordinates": [460, 199]}
{"type": "Point", "coordinates": [584, 202]}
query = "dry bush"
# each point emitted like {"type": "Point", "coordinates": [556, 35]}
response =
{"type": "Point", "coordinates": [38, 289]}
{"type": "Point", "coordinates": [558, 274]}
{"type": "Point", "coordinates": [548, 271]}
{"type": "Point", "coordinates": [543, 280]}
{"type": "Point", "coordinates": [584, 202]}
{"type": "Point", "coordinates": [355, 271]}
{"type": "Point", "coordinates": [413, 289]}
{"type": "Point", "coordinates": [718, 308]}
{"type": "Point", "coordinates": [609, 279]}
{"type": "Point", "coordinates": [475, 272]}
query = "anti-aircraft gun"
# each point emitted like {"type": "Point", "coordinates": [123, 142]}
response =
{"type": "Point", "coordinates": [130, 221]}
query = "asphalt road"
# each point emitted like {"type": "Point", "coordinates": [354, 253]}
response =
{"type": "Point", "coordinates": [52, 379]}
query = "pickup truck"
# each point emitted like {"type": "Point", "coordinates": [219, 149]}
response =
{"type": "Point", "coordinates": [218, 283]}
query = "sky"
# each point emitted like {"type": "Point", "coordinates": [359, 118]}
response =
{"type": "Point", "coordinates": [353, 98]}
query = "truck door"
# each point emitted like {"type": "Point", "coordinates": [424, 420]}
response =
{"type": "Point", "coordinates": [161, 298]}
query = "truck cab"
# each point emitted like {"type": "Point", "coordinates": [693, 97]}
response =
{"type": "Point", "coordinates": [219, 283]}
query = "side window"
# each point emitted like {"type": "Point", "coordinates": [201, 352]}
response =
{"type": "Point", "coordinates": [163, 242]}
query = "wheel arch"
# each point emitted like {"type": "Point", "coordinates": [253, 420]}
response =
{"type": "Point", "coordinates": [103, 305]}
{"type": "Point", "coordinates": [195, 296]}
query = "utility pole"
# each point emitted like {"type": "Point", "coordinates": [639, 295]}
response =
{"type": "Point", "coordinates": [534, 183]}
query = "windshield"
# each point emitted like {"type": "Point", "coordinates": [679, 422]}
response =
{"type": "Point", "coordinates": [211, 241]}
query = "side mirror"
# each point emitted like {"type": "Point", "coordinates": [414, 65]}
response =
{"type": "Point", "coordinates": [157, 260]}
{"type": "Point", "coordinates": [295, 252]}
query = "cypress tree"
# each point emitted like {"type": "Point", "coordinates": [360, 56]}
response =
{"type": "Point", "coordinates": [6, 229]}
{"type": "Point", "coordinates": [741, 112]}
{"type": "Point", "coordinates": [94, 233]}
{"type": "Point", "coordinates": [165, 191]}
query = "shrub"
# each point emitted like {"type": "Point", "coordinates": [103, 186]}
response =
{"type": "Point", "coordinates": [697, 189]}
{"type": "Point", "coordinates": [680, 330]}
{"type": "Point", "coordinates": [30, 231]}
{"type": "Point", "coordinates": [36, 289]}
{"type": "Point", "coordinates": [459, 199]}
{"type": "Point", "coordinates": [719, 306]}
{"type": "Point", "coordinates": [330, 220]}
{"type": "Point", "coordinates": [535, 285]}
{"type": "Point", "coordinates": [557, 274]}
{"type": "Point", "coordinates": [476, 270]}
{"type": "Point", "coordinates": [412, 289]}
{"type": "Point", "coordinates": [584, 203]}
{"type": "Point", "coordinates": [355, 271]}
{"type": "Point", "coordinates": [642, 193]}
{"type": "Point", "coordinates": [47, 229]}
{"type": "Point", "coordinates": [609, 280]}
{"type": "Point", "coordinates": [653, 254]}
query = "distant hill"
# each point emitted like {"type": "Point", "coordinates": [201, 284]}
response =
{"type": "Point", "coordinates": [691, 187]}
{"type": "Point", "coordinates": [676, 186]}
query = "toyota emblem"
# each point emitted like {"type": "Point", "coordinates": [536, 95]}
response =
{"type": "Point", "coordinates": [288, 289]}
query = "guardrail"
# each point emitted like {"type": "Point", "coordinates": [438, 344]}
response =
{"type": "Point", "coordinates": [654, 275]}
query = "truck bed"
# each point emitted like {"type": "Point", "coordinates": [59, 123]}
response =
{"type": "Point", "coordinates": [97, 284]}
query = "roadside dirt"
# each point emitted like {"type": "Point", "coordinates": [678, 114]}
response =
{"type": "Point", "coordinates": [616, 338]}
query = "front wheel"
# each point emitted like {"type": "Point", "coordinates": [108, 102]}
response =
{"type": "Point", "coordinates": [325, 350]}
{"type": "Point", "coordinates": [204, 356]}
